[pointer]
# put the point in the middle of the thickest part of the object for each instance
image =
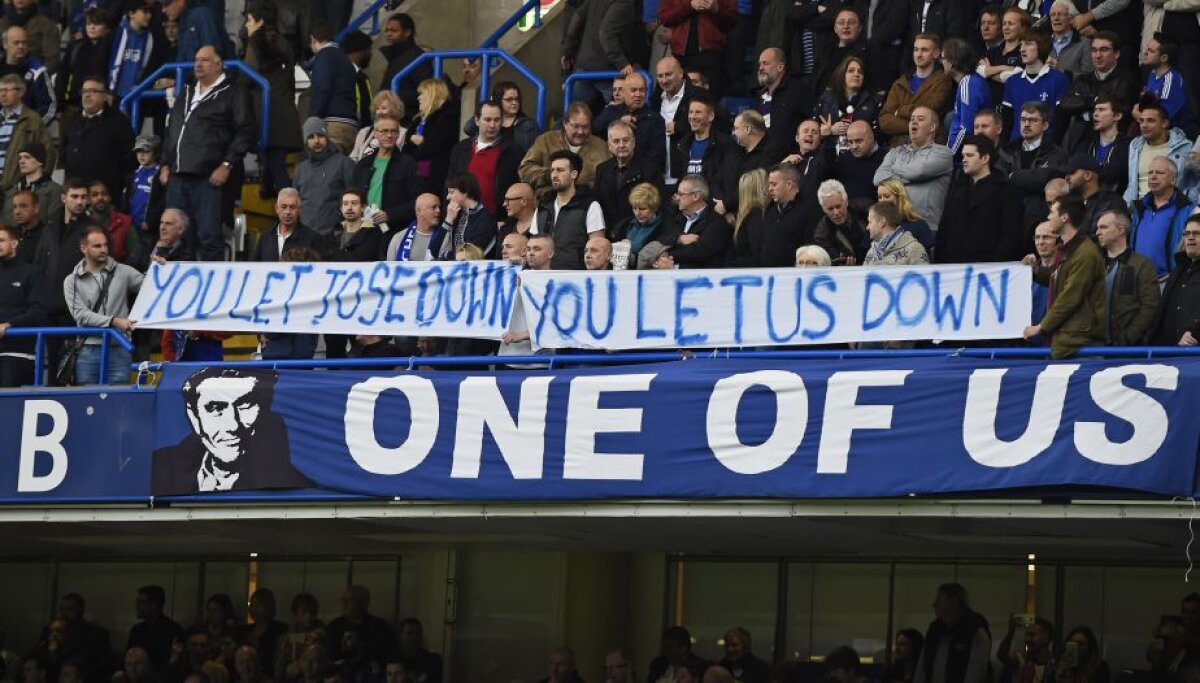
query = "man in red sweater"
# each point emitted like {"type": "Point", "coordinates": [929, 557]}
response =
{"type": "Point", "coordinates": [488, 157]}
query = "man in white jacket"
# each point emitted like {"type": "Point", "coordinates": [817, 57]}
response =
{"type": "Point", "coordinates": [922, 165]}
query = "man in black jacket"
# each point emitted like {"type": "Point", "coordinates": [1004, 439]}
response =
{"type": "Point", "coordinates": [1179, 318]}
{"type": "Point", "coordinates": [982, 219]}
{"type": "Point", "coordinates": [783, 102]}
{"type": "Point", "coordinates": [1108, 77]}
{"type": "Point", "coordinates": [288, 233]}
{"type": "Point", "coordinates": [705, 151]}
{"type": "Point", "coordinates": [788, 221]}
{"type": "Point", "coordinates": [98, 145]}
{"type": "Point", "coordinates": [703, 237]}
{"type": "Point", "coordinates": [57, 254]}
{"type": "Point", "coordinates": [627, 169]}
{"type": "Point", "coordinates": [401, 181]}
{"type": "Point", "coordinates": [884, 25]}
{"type": "Point", "coordinates": [839, 231]}
{"type": "Point", "coordinates": [570, 215]}
{"type": "Point", "coordinates": [647, 124]}
{"type": "Point", "coordinates": [857, 169]}
{"type": "Point", "coordinates": [212, 128]}
{"type": "Point", "coordinates": [401, 50]}
{"type": "Point", "coordinates": [1083, 174]}
{"type": "Point", "coordinates": [20, 306]}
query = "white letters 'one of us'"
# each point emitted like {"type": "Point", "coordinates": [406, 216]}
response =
{"type": "Point", "coordinates": [359, 421]}
{"type": "Point", "coordinates": [843, 416]}
{"type": "Point", "coordinates": [49, 443]}
{"type": "Point", "coordinates": [1147, 416]}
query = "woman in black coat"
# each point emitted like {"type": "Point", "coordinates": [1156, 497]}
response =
{"type": "Point", "coordinates": [268, 53]}
{"type": "Point", "coordinates": [433, 133]}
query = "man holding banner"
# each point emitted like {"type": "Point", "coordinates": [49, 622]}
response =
{"type": "Point", "coordinates": [422, 239]}
{"type": "Point", "coordinates": [1076, 313]}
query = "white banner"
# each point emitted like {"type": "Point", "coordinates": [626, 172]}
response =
{"type": "Point", "coordinates": [775, 307]}
{"type": "Point", "coordinates": [437, 299]}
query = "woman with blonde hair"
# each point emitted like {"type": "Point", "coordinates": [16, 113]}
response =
{"type": "Point", "coordinates": [385, 102]}
{"type": "Point", "coordinates": [645, 225]}
{"type": "Point", "coordinates": [747, 229]}
{"type": "Point", "coordinates": [893, 192]}
{"type": "Point", "coordinates": [433, 133]}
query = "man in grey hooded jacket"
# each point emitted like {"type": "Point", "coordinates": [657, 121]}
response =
{"type": "Point", "coordinates": [321, 179]}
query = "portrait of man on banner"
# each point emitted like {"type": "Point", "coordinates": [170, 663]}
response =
{"type": "Point", "coordinates": [237, 442]}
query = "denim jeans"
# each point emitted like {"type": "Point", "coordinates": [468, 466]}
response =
{"type": "Point", "coordinates": [202, 203]}
{"type": "Point", "coordinates": [87, 365]}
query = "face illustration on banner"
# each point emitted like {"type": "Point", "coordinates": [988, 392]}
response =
{"type": "Point", "coordinates": [223, 414]}
{"type": "Point", "coordinates": [236, 442]}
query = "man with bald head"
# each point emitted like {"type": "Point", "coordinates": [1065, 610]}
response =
{"type": "Point", "coordinates": [923, 165]}
{"type": "Point", "coordinates": [422, 239]}
{"type": "Point", "coordinates": [521, 206]}
{"type": "Point", "coordinates": [782, 101]}
{"type": "Point", "coordinates": [1159, 217]}
{"type": "Point", "coordinates": [212, 127]}
{"type": "Point", "coordinates": [512, 248]}
{"type": "Point", "coordinates": [857, 169]}
{"type": "Point", "coordinates": [597, 253]}
{"type": "Point", "coordinates": [649, 128]}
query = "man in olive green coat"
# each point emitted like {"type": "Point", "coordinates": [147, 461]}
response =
{"type": "Point", "coordinates": [1075, 317]}
{"type": "Point", "coordinates": [1130, 283]}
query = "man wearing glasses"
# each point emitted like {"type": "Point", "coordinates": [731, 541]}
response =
{"type": "Point", "coordinates": [1108, 77]}
{"type": "Point", "coordinates": [389, 177]}
{"type": "Point", "coordinates": [1179, 317]}
{"type": "Point", "coordinates": [576, 137]}
{"type": "Point", "coordinates": [98, 144]}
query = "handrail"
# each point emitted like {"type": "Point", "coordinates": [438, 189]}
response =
{"type": "Point", "coordinates": [40, 334]}
{"type": "Point", "coordinates": [549, 361]}
{"type": "Point", "coordinates": [131, 104]}
{"type": "Point", "coordinates": [600, 76]}
{"type": "Point", "coordinates": [534, 6]}
{"type": "Point", "coordinates": [486, 55]}
{"type": "Point", "coordinates": [371, 11]}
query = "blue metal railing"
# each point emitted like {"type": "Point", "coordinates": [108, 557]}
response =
{"type": "Point", "coordinates": [550, 361]}
{"type": "Point", "coordinates": [131, 104]}
{"type": "Point", "coordinates": [489, 56]}
{"type": "Point", "coordinates": [371, 12]}
{"type": "Point", "coordinates": [534, 6]}
{"type": "Point", "coordinates": [41, 333]}
{"type": "Point", "coordinates": [574, 78]}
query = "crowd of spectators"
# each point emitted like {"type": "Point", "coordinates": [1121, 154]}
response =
{"type": "Point", "coordinates": [360, 647]}
{"type": "Point", "coordinates": [776, 134]}
{"type": "Point", "coordinates": [226, 646]}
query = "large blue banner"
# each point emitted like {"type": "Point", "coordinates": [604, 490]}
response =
{"type": "Point", "coordinates": [67, 446]}
{"type": "Point", "coordinates": [697, 429]}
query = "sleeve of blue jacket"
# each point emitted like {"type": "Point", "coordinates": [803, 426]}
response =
{"type": "Point", "coordinates": [971, 97]}
{"type": "Point", "coordinates": [1174, 95]}
{"type": "Point", "coordinates": [322, 84]}
{"type": "Point", "coordinates": [40, 95]}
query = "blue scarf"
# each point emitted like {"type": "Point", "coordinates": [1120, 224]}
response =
{"type": "Point", "coordinates": [880, 247]}
{"type": "Point", "coordinates": [406, 242]}
{"type": "Point", "coordinates": [639, 233]}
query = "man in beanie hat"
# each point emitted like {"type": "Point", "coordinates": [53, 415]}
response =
{"type": "Point", "coordinates": [321, 178]}
{"type": "Point", "coordinates": [35, 178]}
